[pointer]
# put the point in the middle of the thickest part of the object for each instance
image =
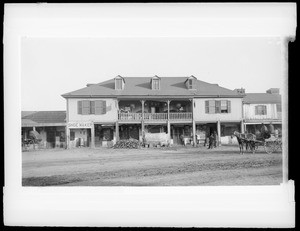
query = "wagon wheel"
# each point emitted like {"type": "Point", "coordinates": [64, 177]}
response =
{"type": "Point", "coordinates": [270, 147]}
{"type": "Point", "coordinates": [278, 145]}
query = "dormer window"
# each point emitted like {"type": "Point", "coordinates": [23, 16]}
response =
{"type": "Point", "coordinates": [191, 82]}
{"type": "Point", "coordinates": [155, 83]}
{"type": "Point", "coordinates": [119, 83]}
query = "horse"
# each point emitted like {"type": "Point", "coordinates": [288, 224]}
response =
{"type": "Point", "coordinates": [240, 140]}
{"type": "Point", "coordinates": [247, 138]}
{"type": "Point", "coordinates": [250, 141]}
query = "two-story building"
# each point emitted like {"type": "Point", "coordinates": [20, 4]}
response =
{"type": "Point", "coordinates": [178, 108]}
{"type": "Point", "coordinates": [261, 108]}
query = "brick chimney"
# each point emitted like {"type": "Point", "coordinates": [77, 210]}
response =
{"type": "Point", "coordinates": [273, 91]}
{"type": "Point", "coordinates": [240, 91]}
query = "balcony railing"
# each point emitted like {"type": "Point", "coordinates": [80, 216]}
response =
{"type": "Point", "coordinates": [181, 116]}
{"type": "Point", "coordinates": [155, 116]}
{"type": "Point", "coordinates": [130, 116]}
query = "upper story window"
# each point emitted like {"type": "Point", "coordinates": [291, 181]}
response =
{"type": "Point", "coordinates": [224, 106]}
{"type": "Point", "coordinates": [217, 106]}
{"type": "Point", "coordinates": [260, 110]}
{"type": "Point", "coordinates": [87, 107]}
{"type": "Point", "coordinates": [191, 82]}
{"type": "Point", "coordinates": [278, 106]}
{"type": "Point", "coordinates": [119, 83]}
{"type": "Point", "coordinates": [155, 83]}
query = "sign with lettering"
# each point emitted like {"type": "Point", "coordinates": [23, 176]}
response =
{"type": "Point", "coordinates": [80, 124]}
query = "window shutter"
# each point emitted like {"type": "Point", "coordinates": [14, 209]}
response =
{"type": "Point", "coordinates": [86, 107]}
{"type": "Point", "coordinates": [92, 107]}
{"type": "Point", "coordinates": [256, 110]}
{"type": "Point", "coordinates": [229, 106]}
{"type": "Point", "coordinates": [218, 106]}
{"type": "Point", "coordinates": [265, 110]}
{"type": "Point", "coordinates": [206, 106]}
{"type": "Point", "coordinates": [100, 107]}
{"type": "Point", "coordinates": [79, 107]}
{"type": "Point", "coordinates": [212, 106]}
{"type": "Point", "coordinates": [103, 107]}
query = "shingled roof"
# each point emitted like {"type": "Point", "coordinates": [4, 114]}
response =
{"type": "Point", "coordinates": [43, 117]}
{"type": "Point", "coordinates": [265, 98]}
{"type": "Point", "coordinates": [140, 86]}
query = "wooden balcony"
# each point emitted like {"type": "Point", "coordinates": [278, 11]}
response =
{"type": "Point", "coordinates": [178, 116]}
{"type": "Point", "coordinates": [130, 116]}
{"type": "Point", "coordinates": [155, 116]}
{"type": "Point", "coordinates": [181, 116]}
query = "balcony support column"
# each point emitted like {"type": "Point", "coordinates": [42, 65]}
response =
{"type": "Point", "coordinates": [143, 123]}
{"type": "Point", "coordinates": [168, 103]}
{"type": "Point", "coordinates": [143, 109]}
{"type": "Point", "coordinates": [194, 123]}
{"type": "Point", "coordinates": [67, 137]}
{"type": "Point", "coordinates": [93, 136]}
{"type": "Point", "coordinates": [117, 132]}
{"type": "Point", "coordinates": [219, 132]}
{"type": "Point", "coordinates": [168, 121]}
{"type": "Point", "coordinates": [242, 127]}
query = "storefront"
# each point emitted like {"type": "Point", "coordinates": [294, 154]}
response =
{"type": "Point", "coordinates": [79, 134]}
{"type": "Point", "coordinates": [104, 135]}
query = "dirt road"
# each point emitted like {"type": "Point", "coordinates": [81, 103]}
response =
{"type": "Point", "coordinates": [184, 166]}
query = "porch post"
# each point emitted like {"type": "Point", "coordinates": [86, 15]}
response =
{"type": "Point", "coordinates": [143, 124]}
{"type": "Point", "coordinates": [168, 121]}
{"type": "Point", "coordinates": [93, 136]}
{"type": "Point", "coordinates": [168, 103]}
{"type": "Point", "coordinates": [33, 128]}
{"type": "Point", "coordinates": [117, 131]}
{"type": "Point", "coordinates": [242, 127]}
{"type": "Point", "coordinates": [219, 131]}
{"type": "Point", "coordinates": [67, 137]}
{"type": "Point", "coordinates": [194, 122]}
{"type": "Point", "coordinates": [143, 109]}
{"type": "Point", "coordinates": [194, 132]}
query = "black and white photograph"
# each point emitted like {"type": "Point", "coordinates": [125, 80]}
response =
{"type": "Point", "coordinates": [195, 121]}
{"type": "Point", "coordinates": [135, 107]}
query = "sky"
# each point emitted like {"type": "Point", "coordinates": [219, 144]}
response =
{"type": "Point", "coordinates": [51, 67]}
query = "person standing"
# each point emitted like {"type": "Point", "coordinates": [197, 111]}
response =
{"type": "Point", "coordinates": [215, 139]}
{"type": "Point", "coordinates": [211, 141]}
{"type": "Point", "coordinates": [264, 131]}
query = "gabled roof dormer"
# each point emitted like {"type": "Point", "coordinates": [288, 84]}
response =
{"type": "Point", "coordinates": [190, 82]}
{"type": "Point", "coordinates": [119, 83]}
{"type": "Point", "coordinates": [155, 83]}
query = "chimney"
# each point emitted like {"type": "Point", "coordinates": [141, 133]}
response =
{"type": "Point", "coordinates": [273, 91]}
{"type": "Point", "coordinates": [240, 91]}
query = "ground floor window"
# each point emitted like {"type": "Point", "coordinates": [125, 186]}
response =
{"type": "Point", "coordinates": [104, 132]}
{"type": "Point", "coordinates": [228, 129]}
{"type": "Point", "coordinates": [72, 135]}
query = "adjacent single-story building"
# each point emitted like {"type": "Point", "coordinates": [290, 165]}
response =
{"type": "Point", "coordinates": [51, 125]}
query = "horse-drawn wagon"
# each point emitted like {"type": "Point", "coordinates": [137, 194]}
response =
{"type": "Point", "coordinates": [34, 138]}
{"type": "Point", "coordinates": [270, 145]}
{"type": "Point", "coordinates": [269, 142]}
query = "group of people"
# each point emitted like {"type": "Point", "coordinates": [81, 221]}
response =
{"type": "Point", "coordinates": [266, 133]}
{"type": "Point", "coordinates": [212, 140]}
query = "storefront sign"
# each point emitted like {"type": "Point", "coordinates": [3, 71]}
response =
{"type": "Point", "coordinates": [80, 124]}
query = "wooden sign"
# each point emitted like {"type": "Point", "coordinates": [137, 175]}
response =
{"type": "Point", "coordinates": [80, 124]}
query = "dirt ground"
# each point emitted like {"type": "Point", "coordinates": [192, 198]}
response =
{"type": "Point", "coordinates": [176, 166]}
